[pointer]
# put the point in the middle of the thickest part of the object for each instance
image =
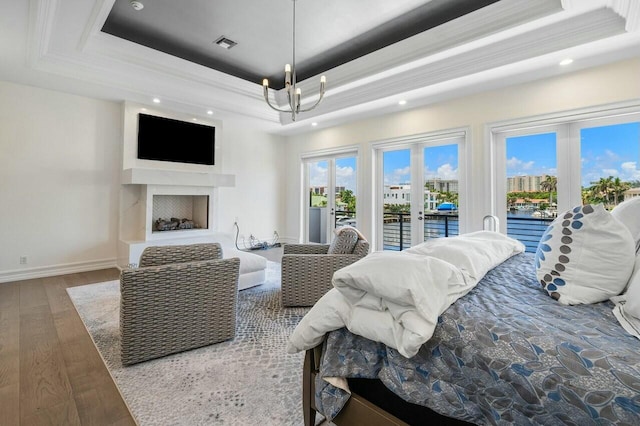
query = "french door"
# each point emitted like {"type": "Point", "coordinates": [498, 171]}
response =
{"type": "Point", "coordinates": [330, 195]}
{"type": "Point", "coordinates": [418, 190]}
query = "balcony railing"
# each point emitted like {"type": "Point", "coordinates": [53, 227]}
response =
{"type": "Point", "coordinates": [528, 230]}
{"type": "Point", "coordinates": [397, 229]}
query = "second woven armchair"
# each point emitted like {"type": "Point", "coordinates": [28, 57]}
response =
{"type": "Point", "coordinates": [307, 269]}
{"type": "Point", "coordinates": [180, 298]}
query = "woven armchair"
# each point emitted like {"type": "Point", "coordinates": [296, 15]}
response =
{"type": "Point", "coordinates": [307, 271]}
{"type": "Point", "coordinates": [180, 298]}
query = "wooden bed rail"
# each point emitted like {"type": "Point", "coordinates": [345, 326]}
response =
{"type": "Point", "coordinates": [356, 412]}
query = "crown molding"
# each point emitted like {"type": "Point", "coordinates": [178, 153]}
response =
{"type": "Point", "coordinates": [435, 63]}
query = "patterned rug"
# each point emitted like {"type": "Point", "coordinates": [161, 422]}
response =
{"type": "Point", "coordinates": [249, 380]}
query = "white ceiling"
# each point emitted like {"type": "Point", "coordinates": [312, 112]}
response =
{"type": "Point", "coordinates": [58, 44]}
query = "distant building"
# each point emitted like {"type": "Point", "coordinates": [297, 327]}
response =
{"type": "Point", "coordinates": [442, 185]}
{"type": "Point", "coordinates": [322, 190]}
{"type": "Point", "coordinates": [631, 193]}
{"type": "Point", "coordinates": [525, 183]}
{"type": "Point", "coordinates": [401, 194]}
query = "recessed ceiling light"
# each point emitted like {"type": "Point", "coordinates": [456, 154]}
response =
{"type": "Point", "coordinates": [144, 109]}
{"type": "Point", "coordinates": [314, 124]}
{"type": "Point", "coordinates": [136, 5]}
{"type": "Point", "coordinates": [210, 112]}
{"type": "Point", "coordinates": [566, 61]}
{"type": "Point", "coordinates": [195, 119]}
{"type": "Point", "coordinates": [225, 42]}
{"type": "Point", "coordinates": [156, 100]}
{"type": "Point", "coordinates": [402, 102]}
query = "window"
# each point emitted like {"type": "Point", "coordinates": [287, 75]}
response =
{"type": "Point", "coordinates": [539, 172]}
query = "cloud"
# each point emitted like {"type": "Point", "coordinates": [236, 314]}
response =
{"type": "Point", "coordinates": [402, 175]}
{"type": "Point", "coordinates": [317, 175]}
{"type": "Point", "coordinates": [516, 164]}
{"type": "Point", "coordinates": [346, 176]}
{"type": "Point", "coordinates": [445, 171]}
{"type": "Point", "coordinates": [629, 171]}
{"type": "Point", "coordinates": [609, 172]}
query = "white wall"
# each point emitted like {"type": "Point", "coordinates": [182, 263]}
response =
{"type": "Point", "coordinates": [60, 168]}
{"type": "Point", "coordinates": [257, 200]}
{"type": "Point", "coordinates": [597, 86]}
{"type": "Point", "coordinates": [59, 180]}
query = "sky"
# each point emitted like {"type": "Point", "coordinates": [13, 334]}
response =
{"type": "Point", "coordinates": [345, 173]}
{"type": "Point", "coordinates": [605, 151]}
{"type": "Point", "coordinates": [439, 161]}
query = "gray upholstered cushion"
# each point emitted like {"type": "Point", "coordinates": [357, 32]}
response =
{"type": "Point", "coordinates": [344, 242]}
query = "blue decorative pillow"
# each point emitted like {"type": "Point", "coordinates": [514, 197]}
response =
{"type": "Point", "coordinates": [585, 256]}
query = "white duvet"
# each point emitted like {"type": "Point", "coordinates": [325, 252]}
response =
{"type": "Point", "coordinates": [396, 297]}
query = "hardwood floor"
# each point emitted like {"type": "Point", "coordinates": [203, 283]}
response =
{"type": "Point", "coordinates": [50, 371]}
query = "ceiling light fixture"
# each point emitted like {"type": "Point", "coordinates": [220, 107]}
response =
{"type": "Point", "coordinates": [314, 124]}
{"type": "Point", "coordinates": [136, 5]}
{"type": "Point", "coordinates": [402, 102]}
{"type": "Point", "coordinates": [566, 61]}
{"type": "Point", "coordinates": [210, 112]}
{"type": "Point", "coordinates": [156, 100]}
{"type": "Point", "coordinates": [294, 94]}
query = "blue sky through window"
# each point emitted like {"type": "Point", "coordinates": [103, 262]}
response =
{"type": "Point", "coordinates": [345, 173]}
{"type": "Point", "coordinates": [610, 151]}
{"type": "Point", "coordinates": [605, 151]}
{"type": "Point", "coordinates": [439, 161]}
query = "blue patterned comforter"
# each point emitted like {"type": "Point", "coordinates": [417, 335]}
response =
{"type": "Point", "coordinates": [506, 353]}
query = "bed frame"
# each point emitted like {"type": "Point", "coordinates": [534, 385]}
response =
{"type": "Point", "coordinates": [362, 411]}
{"type": "Point", "coordinates": [357, 411]}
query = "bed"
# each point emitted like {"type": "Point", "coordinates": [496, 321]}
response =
{"type": "Point", "coordinates": [505, 353]}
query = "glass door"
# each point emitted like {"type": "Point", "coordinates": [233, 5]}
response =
{"type": "Point", "coordinates": [318, 193]}
{"type": "Point", "coordinates": [331, 196]}
{"type": "Point", "coordinates": [440, 187]}
{"type": "Point", "coordinates": [419, 190]}
{"type": "Point", "coordinates": [396, 199]}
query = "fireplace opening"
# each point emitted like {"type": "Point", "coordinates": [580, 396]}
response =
{"type": "Point", "coordinates": [180, 212]}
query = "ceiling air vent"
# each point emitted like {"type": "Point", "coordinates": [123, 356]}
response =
{"type": "Point", "coordinates": [225, 42]}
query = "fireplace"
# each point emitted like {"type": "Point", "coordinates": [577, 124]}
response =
{"type": "Point", "coordinates": [180, 212]}
{"type": "Point", "coordinates": [148, 194]}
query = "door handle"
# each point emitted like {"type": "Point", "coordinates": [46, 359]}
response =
{"type": "Point", "coordinates": [419, 215]}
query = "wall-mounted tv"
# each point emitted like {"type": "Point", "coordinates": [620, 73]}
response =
{"type": "Point", "coordinates": [164, 139]}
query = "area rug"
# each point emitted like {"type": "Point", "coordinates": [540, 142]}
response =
{"type": "Point", "coordinates": [249, 380]}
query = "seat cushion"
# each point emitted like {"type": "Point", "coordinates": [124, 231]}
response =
{"type": "Point", "coordinates": [249, 262]}
{"type": "Point", "coordinates": [344, 241]}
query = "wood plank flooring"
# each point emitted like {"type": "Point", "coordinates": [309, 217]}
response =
{"type": "Point", "coordinates": [50, 371]}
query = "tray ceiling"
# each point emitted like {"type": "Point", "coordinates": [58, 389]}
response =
{"type": "Point", "coordinates": [374, 52]}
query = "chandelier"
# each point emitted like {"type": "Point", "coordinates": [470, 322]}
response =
{"type": "Point", "coordinates": [294, 94]}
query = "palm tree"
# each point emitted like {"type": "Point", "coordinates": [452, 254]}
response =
{"type": "Point", "coordinates": [550, 184]}
{"type": "Point", "coordinates": [618, 188]}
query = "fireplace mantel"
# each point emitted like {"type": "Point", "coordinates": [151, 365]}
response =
{"type": "Point", "coordinates": [140, 176]}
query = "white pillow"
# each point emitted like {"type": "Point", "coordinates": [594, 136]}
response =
{"type": "Point", "coordinates": [628, 212]}
{"type": "Point", "coordinates": [585, 256]}
{"type": "Point", "coordinates": [627, 309]}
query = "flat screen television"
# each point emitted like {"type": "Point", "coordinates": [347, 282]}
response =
{"type": "Point", "coordinates": [165, 139]}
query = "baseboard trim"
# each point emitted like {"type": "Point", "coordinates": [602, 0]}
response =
{"type": "Point", "coordinates": [53, 270]}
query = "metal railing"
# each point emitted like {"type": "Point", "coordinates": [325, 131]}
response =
{"type": "Point", "coordinates": [397, 229]}
{"type": "Point", "coordinates": [528, 230]}
{"type": "Point", "coordinates": [344, 217]}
